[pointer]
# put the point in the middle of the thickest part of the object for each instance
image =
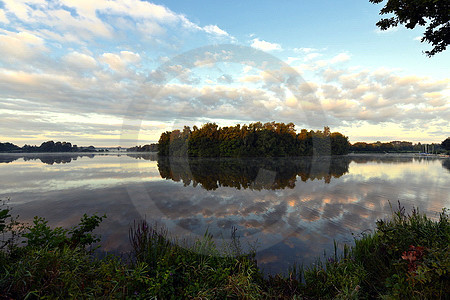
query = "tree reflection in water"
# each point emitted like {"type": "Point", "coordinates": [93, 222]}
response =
{"type": "Point", "coordinates": [255, 174]}
{"type": "Point", "coordinates": [446, 164]}
{"type": "Point", "coordinates": [45, 158]}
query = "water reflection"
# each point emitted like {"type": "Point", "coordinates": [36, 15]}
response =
{"type": "Point", "coordinates": [292, 209]}
{"type": "Point", "coordinates": [446, 164]}
{"type": "Point", "coordinates": [49, 159]}
{"type": "Point", "coordinates": [255, 174]}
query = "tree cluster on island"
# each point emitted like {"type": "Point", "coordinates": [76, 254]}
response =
{"type": "Point", "coordinates": [253, 140]}
{"type": "Point", "coordinates": [144, 148]}
{"type": "Point", "coordinates": [49, 146]}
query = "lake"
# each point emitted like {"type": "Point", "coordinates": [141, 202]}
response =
{"type": "Point", "coordinates": [291, 210]}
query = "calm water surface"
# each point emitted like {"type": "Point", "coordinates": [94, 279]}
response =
{"type": "Point", "coordinates": [290, 209]}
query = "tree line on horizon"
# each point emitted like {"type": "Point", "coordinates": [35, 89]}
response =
{"type": "Point", "coordinates": [254, 140]}
{"type": "Point", "coordinates": [178, 148]}
{"type": "Point", "coordinates": [49, 146]}
{"type": "Point", "coordinates": [400, 146]}
{"type": "Point", "coordinates": [144, 148]}
{"type": "Point", "coordinates": [358, 147]}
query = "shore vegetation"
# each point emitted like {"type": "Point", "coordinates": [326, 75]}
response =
{"type": "Point", "coordinates": [406, 256]}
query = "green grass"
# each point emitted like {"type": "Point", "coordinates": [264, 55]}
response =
{"type": "Point", "coordinates": [406, 256]}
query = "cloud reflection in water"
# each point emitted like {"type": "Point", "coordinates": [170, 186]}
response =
{"type": "Point", "coordinates": [292, 208]}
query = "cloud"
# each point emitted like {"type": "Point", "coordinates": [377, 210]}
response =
{"type": "Point", "coordinates": [119, 62]}
{"type": "Point", "coordinates": [214, 29]}
{"type": "Point", "coordinates": [346, 96]}
{"type": "Point", "coordinates": [312, 55]}
{"type": "Point", "coordinates": [380, 97]}
{"type": "Point", "coordinates": [100, 19]}
{"type": "Point", "coordinates": [20, 9]}
{"type": "Point", "coordinates": [102, 57]}
{"type": "Point", "coordinates": [251, 78]}
{"type": "Point", "coordinates": [265, 46]}
{"type": "Point", "coordinates": [20, 46]}
{"type": "Point", "coordinates": [3, 18]}
{"type": "Point", "coordinates": [304, 50]}
{"type": "Point", "coordinates": [80, 61]}
{"type": "Point", "coordinates": [341, 57]}
{"type": "Point", "coordinates": [150, 29]}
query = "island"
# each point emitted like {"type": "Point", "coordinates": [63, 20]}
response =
{"type": "Point", "coordinates": [254, 140]}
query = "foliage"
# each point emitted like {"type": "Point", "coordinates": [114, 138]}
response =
{"type": "Point", "coordinates": [446, 144]}
{"type": "Point", "coordinates": [10, 228]}
{"type": "Point", "coordinates": [199, 270]}
{"type": "Point", "coordinates": [433, 13]}
{"type": "Point", "coordinates": [145, 148]}
{"type": "Point", "coordinates": [253, 140]}
{"type": "Point", "coordinates": [4, 215]}
{"type": "Point", "coordinates": [49, 146]}
{"type": "Point", "coordinates": [40, 234]}
{"type": "Point", "coordinates": [405, 257]}
{"type": "Point", "coordinates": [8, 147]}
{"type": "Point", "coordinates": [395, 146]}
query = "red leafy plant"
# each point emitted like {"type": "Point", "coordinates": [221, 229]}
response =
{"type": "Point", "coordinates": [413, 256]}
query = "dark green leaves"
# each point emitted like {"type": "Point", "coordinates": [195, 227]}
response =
{"type": "Point", "coordinates": [435, 14]}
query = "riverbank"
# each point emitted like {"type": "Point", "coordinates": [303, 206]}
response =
{"type": "Point", "coordinates": [405, 256]}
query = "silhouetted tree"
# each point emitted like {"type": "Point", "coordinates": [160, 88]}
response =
{"type": "Point", "coordinates": [433, 13]}
{"type": "Point", "coordinates": [446, 144]}
{"type": "Point", "coordinates": [8, 147]}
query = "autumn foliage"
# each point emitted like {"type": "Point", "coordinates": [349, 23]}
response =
{"type": "Point", "coordinates": [253, 140]}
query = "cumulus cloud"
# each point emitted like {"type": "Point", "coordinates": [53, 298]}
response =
{"type": "Point", "coordinates": [100, 19]}
{"type": "Point", "coordinates": [264, 45]}
{"type": "Point", "coordinates": [214, 29]}
{"type": "Point", "coordinates": [120, 61]}
{"type": "Point", "coordinates": [80, 61]}
{"type": "Point", "coordinates": [20, 46]}
{"type": "Point", "coordinates": [385, 97]}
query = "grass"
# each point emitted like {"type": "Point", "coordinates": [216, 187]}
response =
{"type": "Point", "coordinates": [406, 256]}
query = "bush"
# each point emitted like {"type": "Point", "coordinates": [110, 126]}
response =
{"type": "Point", "coordinates": [407, 256]}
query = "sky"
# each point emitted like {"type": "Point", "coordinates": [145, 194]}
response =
{"type": "Point", "coordinates": [110, 73]}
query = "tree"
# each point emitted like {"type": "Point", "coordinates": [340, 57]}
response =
{"type": "Point", "coordinates": [339, 144]}
{"type": "Point", "coordinates": [7, 147]}
{"type": "Point", "coordinates": [435, 14]}
{"type": "Point", "coordinates": [446, 144]}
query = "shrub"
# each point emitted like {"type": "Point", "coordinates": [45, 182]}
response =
{"type": "Point", "coordinates": [406, 256]}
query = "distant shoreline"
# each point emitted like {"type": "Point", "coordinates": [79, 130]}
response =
{"type": "Point", "coordinates": [105, 153]}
